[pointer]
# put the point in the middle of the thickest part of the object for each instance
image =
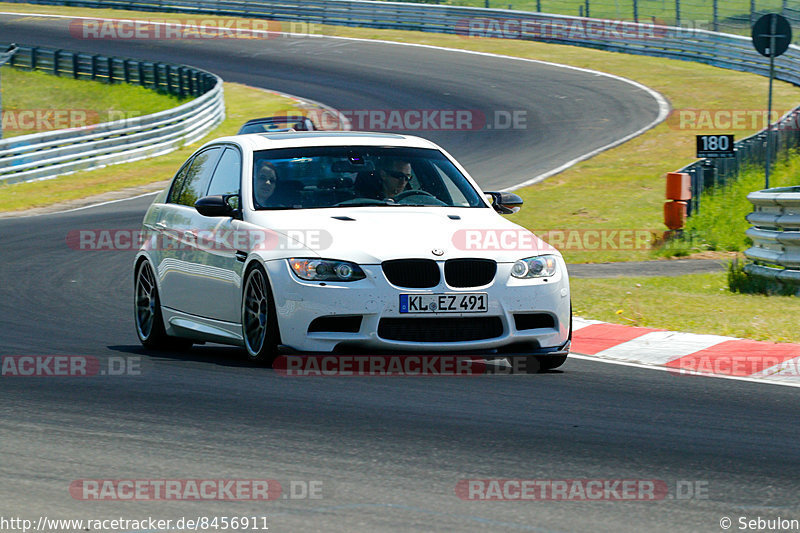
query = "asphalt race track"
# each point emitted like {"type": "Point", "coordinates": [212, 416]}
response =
{"type": "Point", "coordinates": [387, 452]}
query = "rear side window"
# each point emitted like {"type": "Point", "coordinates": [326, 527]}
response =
{"type": "Point", "coordinates": [227, 174]}
{"type": "Point", "coordinates": [198, 176]}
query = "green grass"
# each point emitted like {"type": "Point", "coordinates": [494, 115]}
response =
{"type": "Point", "coordinates": [696, 303]}
{"type": "Point", "coordinates": [242, 103]}
{"type": "Point", "coordinates": [59, 102]}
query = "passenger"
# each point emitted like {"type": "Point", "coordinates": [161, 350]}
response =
{"type": "Point", "coordinates": [264, 183]}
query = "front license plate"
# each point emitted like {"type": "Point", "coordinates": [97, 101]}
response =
{"type": "Point", "coordinates": [476, 302]}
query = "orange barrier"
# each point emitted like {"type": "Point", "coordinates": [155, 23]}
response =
{"type": "Point", "coordinates": [679, 186]}
{"type": "Point", "coordinates": [675, 214]}
{"type": "Point", "coordinates": [679, 192]}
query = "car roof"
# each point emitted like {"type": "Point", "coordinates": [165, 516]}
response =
{"type": "Point", "coordinates": [267, 141]}
{"type": "Point", "coordinates": [277, 118]}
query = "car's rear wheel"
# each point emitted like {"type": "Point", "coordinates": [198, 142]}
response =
{"type": "Point", "coordinates": [147, 308]}
{"type": "Point", "coordinates": [259, 323]}
{"type": "Point", "coordinates": [147, 313]}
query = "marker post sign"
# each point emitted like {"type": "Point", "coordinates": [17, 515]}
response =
{"type": "Point", "coordinates": [712, 146]}
{"type": "Point", "coordinates": [771, 37]}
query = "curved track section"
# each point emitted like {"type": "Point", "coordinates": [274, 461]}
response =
{"type": "Point", "coordinates": [566, 112]}
{"type": "Point", "coordinates": [389, 452]}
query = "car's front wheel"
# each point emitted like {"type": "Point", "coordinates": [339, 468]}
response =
{"type": "Point", "coordinates": [543, 363]}
{"type": "Point", "coordinates": [550, 362]}
{"type": "Point", "coordinates": [259, 323]}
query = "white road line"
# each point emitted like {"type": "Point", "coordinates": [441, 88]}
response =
{"type": "Point", "coordinates": [785, 370]}
{"type": "Point", "coordinates": [683, 373]}
{"type": "Point", "coordinates": [81, 208]}
{"type": "Point", "coordinates": [580, 323]}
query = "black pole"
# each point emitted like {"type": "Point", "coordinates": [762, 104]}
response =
{"type": "Point", "coordinates": [715, 15]}
{"type": "Point", "coordinates": [769, 122]}
{"type": "Point", "coordinates": [773, 29]}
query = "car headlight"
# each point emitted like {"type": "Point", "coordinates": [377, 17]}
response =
{"type": "Point", "coordinates": [542, 266]}
{"type": "Point", "coordinates": [326, 270]}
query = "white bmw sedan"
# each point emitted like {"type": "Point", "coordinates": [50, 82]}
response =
{"type": "Point", "coordinates": [344, 242]}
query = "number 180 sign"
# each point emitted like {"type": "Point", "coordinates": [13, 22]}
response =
{"type": "Point", "coordinates": [715, 146]}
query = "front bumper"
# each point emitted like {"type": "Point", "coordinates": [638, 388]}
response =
{"type": "Point", "coordinates": [299, 302]}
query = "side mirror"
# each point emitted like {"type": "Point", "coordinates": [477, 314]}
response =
{"type": "Point", "coordinates": [505, 203]}
{"type": "Point", "coordinates": [218, 205]}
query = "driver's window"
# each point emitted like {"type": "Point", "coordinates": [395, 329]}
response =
{"type": "Point", "coordinates": [198, 176]}
{"type": "Point", "coordinates": [457, 198]}
{"type": "Point", "coordinates": [227, 175]}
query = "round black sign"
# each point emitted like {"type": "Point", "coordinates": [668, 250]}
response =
{"type": "Point", "coordinates": [769, 26]}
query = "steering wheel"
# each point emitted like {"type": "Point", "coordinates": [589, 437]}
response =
{"type": "Point", "coordinates": [359, 202]}
{"type": "Point", "coordinates": [415, 192]}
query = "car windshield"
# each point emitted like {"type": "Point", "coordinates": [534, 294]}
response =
{"type": "Point", "coordinates": [348, 176]}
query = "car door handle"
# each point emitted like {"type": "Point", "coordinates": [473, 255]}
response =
{"type": "Point", "coordinates": [189, 235]}
{"type": "Point", "coordinates": [160, 225]}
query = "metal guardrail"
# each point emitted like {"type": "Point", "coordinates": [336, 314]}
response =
{"type": "Point", "coordinates": [776, 235]}
{"type": "Point", "coordinates": [52, 153]}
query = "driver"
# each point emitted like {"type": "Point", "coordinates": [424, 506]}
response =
{"type": "Point", "coordinates": [394, 176]}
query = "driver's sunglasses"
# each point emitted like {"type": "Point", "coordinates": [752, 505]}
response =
{"type": "Point", "coordinates": [396, 174]}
